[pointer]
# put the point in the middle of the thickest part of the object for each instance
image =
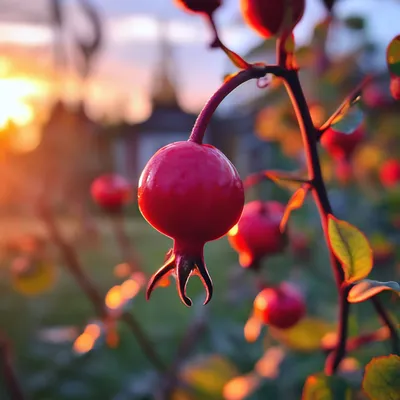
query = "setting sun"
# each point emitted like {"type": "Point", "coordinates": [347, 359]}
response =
{"type": "Point", "coordinates": [14, 107]}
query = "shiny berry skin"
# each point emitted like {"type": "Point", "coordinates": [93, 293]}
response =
{"type": "Point", "coordinates": [257, 233]}
{"type": "Point", "coordinates": [342, 145]}
{"type": "Point", "coordinates": [111, 192]}
{"type": "Point", "coordinates": [272, 17]}
{"type": "Point", "coordinates": [193, 194]}
{"type": "Point", "coordinates": [390, 173]}
{"type": "Point", "coordinates": [199, 6]}
{"type": "Point", "coordinates": [395, 87]}
{"type": "Point", "coordinates": [280, 307]}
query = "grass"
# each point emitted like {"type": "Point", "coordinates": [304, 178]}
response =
{"type": "Point", "coordinates": [164, 318]}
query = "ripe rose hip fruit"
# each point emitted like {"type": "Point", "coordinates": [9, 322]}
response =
{"type": "Point", "coordinates": [395, 87]}
{"type": "Point", "coordinates": [272, 17]}
{"type": "Point", "coordinates": [342, 145]}
{"type": "Point", "coordinates": [111, 192]}
{"type": "Point", "coordinates": [199, 6]}
{"type": "Point", "coordinates": [281, 307]}
{"type": "Point", "coordinates": [257, 233]}
{"type": "Point", "coordinates": [390, 173]}
{"type": "Point", "coordinates": [193, 194]}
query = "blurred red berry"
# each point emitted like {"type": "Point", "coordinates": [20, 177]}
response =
{"type": "Point", "coordinates": [300, 245]}
{"type": "Point", "coordinates": [199, 6]}
{"type": "Point", "coordinates": [343, 171]}
{"type": "Point", "coordinates": [193, 194]}
{"type": "Point", "coordinates": [111, 192]}
{"type": "Point", "coordinates": [390, 173]}
{"type": "Point", "coordinates": [281, 307]}
{"type": "Point", "coordinates": [257, 234]}
{"type": "Point", "coordinates": [342, 145]}
{"type": "Point", "coordinates": [395, 87]}
{"type": "Point", "coordinates": [272, 17]}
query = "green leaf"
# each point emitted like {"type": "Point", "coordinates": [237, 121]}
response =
{"type": "Point", "coordinates": [322, 387]}
{"type": "Point", "coordinates": [382, 378]}
{"type": "Point", "coordinates": [241, 387]}
{"type": "Point", "coordinates": [305, 336]}
{"type": "Point", "coordinates": [349, 119]}
{"type": "Point", "coordinates": [208, 375]}
{"type": "Point", "coordinates": [352, 249]}
{"type": "Point", "coordinates": [393, 56]}
{"type": "Point", "coordinates": [295, 202]}
{"type": "Point", "coordinates": [367, 288]}
{"type": "Point", "coordinates": [284, 179]}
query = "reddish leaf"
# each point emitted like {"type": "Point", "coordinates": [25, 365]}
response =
{"type": "Point", "coordinates": [295, 202]}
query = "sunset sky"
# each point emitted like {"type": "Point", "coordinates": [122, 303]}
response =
{"type": "Point", "coordinates": [129, 57]}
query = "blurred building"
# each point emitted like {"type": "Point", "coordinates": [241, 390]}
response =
{"type": "Point", "coordinates": [232, 133]}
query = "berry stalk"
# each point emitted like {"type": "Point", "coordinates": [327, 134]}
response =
{"type": "Point", "coordinates": [253, 72]}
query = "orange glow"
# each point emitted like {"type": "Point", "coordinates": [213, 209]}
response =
{"type": "Point", "coordinates": [14, 93]}
{"type": "Point", "coordinates": [129, 289]}
{"type": "Point", "coordinates": [252, 329]}
{"type": "Point", "coordinates": [122, 270]}
{"type": "Point", "coordinates": [241, 387]}
{"type": "Point", "coordinates": [84, 343]}
{"type": "Point", "coordinates": [234, 230]}
{"type": "Point", "coordinates": [114, 298]}
{"type": "Point", "coordinates": [93, 330]}
{"type": "Point", "coordinates": [268, 365]}
{"type": "Point", "coordinates": [164, 282]}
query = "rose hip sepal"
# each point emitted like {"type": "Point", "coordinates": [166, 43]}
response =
{"type": "Point", "coordinates": [193, 194]}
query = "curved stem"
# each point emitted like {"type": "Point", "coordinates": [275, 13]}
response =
{"type": "Point", "coordinates": [254, 72]}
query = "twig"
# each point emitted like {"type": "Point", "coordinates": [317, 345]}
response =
{"type": "Point", "coordinates": [10, 379]}
{"type": "Point", "coordinates": [348, 100]}
{"type": "Point", "coordinates": [73, 265]}
{"type": "Point", "coordinates": [394, 335]}
{"type": "Point", "coordinates": [355, 343]}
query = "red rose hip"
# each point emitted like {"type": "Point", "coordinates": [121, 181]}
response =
{"type": "Point", "coordinates": [111, 192]}
{"type": "Point", "coordinates": [199, 6]}
{"type": "Point", "coordinates": [257, 233]}
{"type": "Point", "coordinates": [272, 17]}
{"type": "Point", "coordinates": [193, 194]}
{"type": "Point", "coordinates": [281, 307]}
{"type": "Point", "coordinates": [390, 173]}
{"type": "Point", "coordinates": [342, 145]}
